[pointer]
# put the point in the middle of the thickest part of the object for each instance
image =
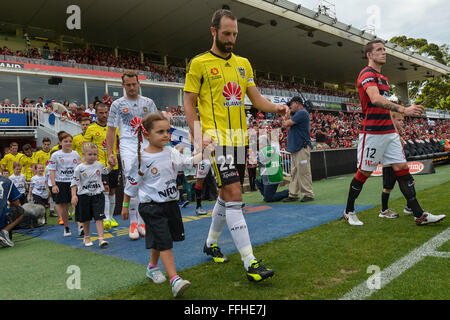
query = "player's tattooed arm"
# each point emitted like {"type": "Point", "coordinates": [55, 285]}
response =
{"type": "Point", "coordinates": [388, 105]}
{"type": "Point", "coordinates": [381, 102]}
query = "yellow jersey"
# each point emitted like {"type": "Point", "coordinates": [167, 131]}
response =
{"type": "Point", "coordinates": [41, 157]}
{"type": "Point", "coordinates": [55, 148]}
{"type": "Point", "coordinates": [221, 85]}
{"type": "Point", "coordinates": [77, 143]}
{"type": "Point", "coordinates": [26, 162]}
{"type": "Point", "coordinates": [9, 159]}
{"type": "Point", "coordinates": [97, 134]}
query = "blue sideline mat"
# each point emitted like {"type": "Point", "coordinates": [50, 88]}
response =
{"type": "Point", "coordinates": [265, 223]}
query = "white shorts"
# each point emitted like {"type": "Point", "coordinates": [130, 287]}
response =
{"type": "Point", "coordinates": [203, 168]}
{"type": "Point", "coordinates": [374, 149]}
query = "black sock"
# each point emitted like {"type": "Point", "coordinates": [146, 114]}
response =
{"type": "Point", "coordinates": [198, 197]}
{"type": "Point", "coordinates": [353, 193]}
{"type": "Point", "coordinates": [384, 200]}
{"type": "Point", "coordinates": [406, 184]}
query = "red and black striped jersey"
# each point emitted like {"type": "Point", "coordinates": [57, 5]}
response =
{"type": "Point", "coordinates": [376, 120]}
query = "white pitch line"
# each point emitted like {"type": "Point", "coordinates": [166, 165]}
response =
{"type": "Point", "coordinates": [362, 290]}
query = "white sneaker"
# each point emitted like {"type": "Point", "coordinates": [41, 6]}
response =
{"type": "Point", "coordinates": [179, 286]}
{"type": "Point", "coordinates": [428, 218]}
{"type": "Point", "coordinates": [388, 213]}
{"type": "Point", "coordinates": [67, 232]}
{"type": "Point", "coordinates": [156, 275]}
{"type": "Point", "coordinates": [141, 229]}
{"type": "Point", "coordinates": [4, 239]}
{"type": "Point", "coordinates": [407, 210]}
{"type": "Point", "coordinates": [133, 233]}
{"type": "Point", "coordinates": [200, 211]}
{"type": "Point", "coordinates": [352, 219]}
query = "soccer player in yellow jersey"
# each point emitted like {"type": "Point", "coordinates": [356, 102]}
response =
{"type": "Point", "coordinates": [26, 161]}
{"type": "Point", "coordinates": [77, 142]}
{"type": "Point", "coordinates": [13, 156]}
{"type": "Point", "coordinates": [96, 133]}
{"type": "Point", "coordinates": [217, 81]}
{"type": "Point", "coordinates": [42, 156]}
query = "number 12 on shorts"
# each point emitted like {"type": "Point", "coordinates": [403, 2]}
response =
{"type": "Point", "coordinates": [371, 153]}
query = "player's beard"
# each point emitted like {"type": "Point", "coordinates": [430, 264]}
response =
{"type": "Point", "coordinates": [222, 46]}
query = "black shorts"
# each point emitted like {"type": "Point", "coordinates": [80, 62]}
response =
{"type": "Point", "coordinates": [163, 224]}
{"type": "Point", "coordinates": [229, 164]}
{"type": "Point", "coordinates": [389, 178]}
{"type": "Point", "coordinates": [111, 179]}
{"type": "Point", "coordinates": [90, 207]}
{"type": "Point", "coordinates": [39, 200]}
{"type": "Point", "coordinates": [64, 195]}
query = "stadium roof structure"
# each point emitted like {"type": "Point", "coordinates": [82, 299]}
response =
{"type": "Point", "coordinates": [276, 35]}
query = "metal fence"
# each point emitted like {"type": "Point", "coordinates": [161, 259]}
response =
{"type": "Point", "coordinates": [21, 120]}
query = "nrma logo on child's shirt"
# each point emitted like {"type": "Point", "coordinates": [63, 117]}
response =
{"type": "Point", "coordinates": [171, 190]}
{"type": "Point", "coordinates": [92, 186]}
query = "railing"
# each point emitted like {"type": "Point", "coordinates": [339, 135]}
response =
{"type": "Point", "coordinates": [179, 122]}
{"type": "Point", "coordinates": [286, 163]}
{"type": "Point", "coordinates": [19, 119]}
{"type": "Point", "coordinates": [56, 123]}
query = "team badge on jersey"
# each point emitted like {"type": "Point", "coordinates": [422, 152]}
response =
{"type": "Point", "coordinates": [145, 109]}
{"type": "Point", "coordinates": [154, 170]}
{"type": "Point", "coordinates": [125, 110]}
{"type": "Point", "coordinates": [233, 94]}
{"type": "Point", "coordinates": [242, 72]}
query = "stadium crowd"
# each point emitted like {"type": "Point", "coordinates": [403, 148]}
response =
{"type": "Point", "coordinates": [172, 73]}
{"type": "Point", "coordinates": [329, 129]}
{"type": "Point", "coordinates": [105, 58]}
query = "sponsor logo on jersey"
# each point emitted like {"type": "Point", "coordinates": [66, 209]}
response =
{"type": "Point", "coordinates": [131, 180]}
{"type": "Point", "coordinates": [214, 71]}
{"type": "Point", "coordinates": [366, 80]}
{"type": "Point", "coordinates": [233, 94]}
{"type": "Point", "coordinates": [67, 172]}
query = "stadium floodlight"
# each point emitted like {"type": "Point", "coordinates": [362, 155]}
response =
{"type": "Point", "coordinates": [349, 27]}
{"type": "Point", "coordinates": [299, 6]}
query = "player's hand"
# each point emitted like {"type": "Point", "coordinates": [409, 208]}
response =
{"type": "Point", "coordinates": [74, 201]}
{"type": "Point", "coordinates": [209, 145]}
{"type": "Point", "coordinates": [283, 110]}
{"type": "Point", "coordinates": [413, 110]}
{"type": "Point", "coordinates": [112, 160]}
{"type": "Point", "coordinates": [125, 213]}
{"type": "Point", "coordinates": [55, 189]}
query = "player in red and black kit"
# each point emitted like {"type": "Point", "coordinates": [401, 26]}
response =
{"type": "Point", "coordinates": [378, 140]}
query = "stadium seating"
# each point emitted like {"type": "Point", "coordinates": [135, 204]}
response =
{"type": "Point", "coordinates": [421, 149]}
